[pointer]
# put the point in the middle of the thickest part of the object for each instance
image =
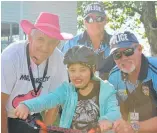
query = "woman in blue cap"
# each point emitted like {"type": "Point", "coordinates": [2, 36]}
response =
{"type": "Point", "coordinates": [85, 101]}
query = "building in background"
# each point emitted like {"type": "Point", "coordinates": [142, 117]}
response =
{"type": "Point", "coordinates": [12, 12]}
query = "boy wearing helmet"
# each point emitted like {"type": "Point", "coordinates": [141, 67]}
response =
{"type": "Point", "coordinates": [85, 101]}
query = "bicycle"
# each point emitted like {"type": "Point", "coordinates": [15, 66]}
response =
{"type": "Point", "coordinates": [39, 125]}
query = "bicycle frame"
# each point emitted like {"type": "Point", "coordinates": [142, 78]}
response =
{"type": "Point", "coordinates": [38, 124]}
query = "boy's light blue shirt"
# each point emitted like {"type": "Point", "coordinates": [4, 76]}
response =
{"type": "Point", "coordinates": [67, 96]}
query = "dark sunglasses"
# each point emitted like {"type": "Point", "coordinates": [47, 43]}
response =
{"type": "Point", "coordinates": [128, 52]}
{"type": "Point", "coordinates": [91, 19]}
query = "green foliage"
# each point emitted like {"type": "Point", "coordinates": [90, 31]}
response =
{"type": "Point", "coordinates": [118, 12]}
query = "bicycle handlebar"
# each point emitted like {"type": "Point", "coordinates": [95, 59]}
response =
{"type": "Point", "coordinates": [38, 124]}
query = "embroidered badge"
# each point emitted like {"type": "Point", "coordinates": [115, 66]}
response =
{"type": "Point", "coordinates": [145, 90]}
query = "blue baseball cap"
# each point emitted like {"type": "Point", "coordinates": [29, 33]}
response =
{"type": "Point", "coordinates": [94, 8]}
{"type": "Point", "coordinates": [122, 40]}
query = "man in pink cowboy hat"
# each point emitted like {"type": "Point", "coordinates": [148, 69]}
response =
{"type": "Point", "coordinates": [32, 68]}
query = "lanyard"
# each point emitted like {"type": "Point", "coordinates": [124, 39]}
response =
{"type": "Point", "coordinates": [31, 74]}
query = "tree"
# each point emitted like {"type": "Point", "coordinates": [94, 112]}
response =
{"type": "Point", "coordinates": [119, 12]}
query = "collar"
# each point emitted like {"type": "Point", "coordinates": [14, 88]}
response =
{"type": "Point", "coordinates": [85, 37]}
{"type": "Point", "coordinates": [143, 70]}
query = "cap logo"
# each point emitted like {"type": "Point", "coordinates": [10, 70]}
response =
{"type": "Point", "coordinates": [94, 8]}
{"type": "Point", "coordinates": [119, 38]}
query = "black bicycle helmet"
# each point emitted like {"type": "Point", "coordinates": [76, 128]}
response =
{"type": "Point", "coordinates": [80, 54]}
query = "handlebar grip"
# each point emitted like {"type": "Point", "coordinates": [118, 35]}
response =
{"type": "Point", "coordinates": [41, 124]}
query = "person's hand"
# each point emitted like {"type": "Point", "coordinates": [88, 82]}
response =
{"type": "Point", "coordinates": [121, 126]}
{"type": "Point", "coordinates": [22, 111]}
{"type": "Point", "coordinates": [105, 125]}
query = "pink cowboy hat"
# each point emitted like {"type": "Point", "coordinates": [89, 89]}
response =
{"type": "Point", "coordinates": [47, 23]}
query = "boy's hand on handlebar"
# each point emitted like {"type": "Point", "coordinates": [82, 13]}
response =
{"type": "Point", "coordinates": [22, 111]}
{"type": "Point", "coordinates": [105, 125]}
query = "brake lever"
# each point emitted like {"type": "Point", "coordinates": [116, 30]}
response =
{"type": "Point", "coordinates": [31, 121]}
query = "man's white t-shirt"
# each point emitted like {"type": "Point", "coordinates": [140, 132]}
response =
{"type": "Point", "coordinates": [15, 75]}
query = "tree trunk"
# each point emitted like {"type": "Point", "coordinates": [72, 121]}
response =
{"type": "Point", "coordinates": [149, 20]}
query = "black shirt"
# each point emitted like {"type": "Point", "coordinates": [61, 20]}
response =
{"type": "Point", "coordinates": [87, 110]}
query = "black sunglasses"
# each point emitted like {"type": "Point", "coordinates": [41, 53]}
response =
{"type": "Point", "coordinates": [128, 52]}
{"type": "Point", "coordinates": [91, 19]}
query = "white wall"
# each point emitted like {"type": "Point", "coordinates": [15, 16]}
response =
{"type": "Point", "coordinates": [14, 11]}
